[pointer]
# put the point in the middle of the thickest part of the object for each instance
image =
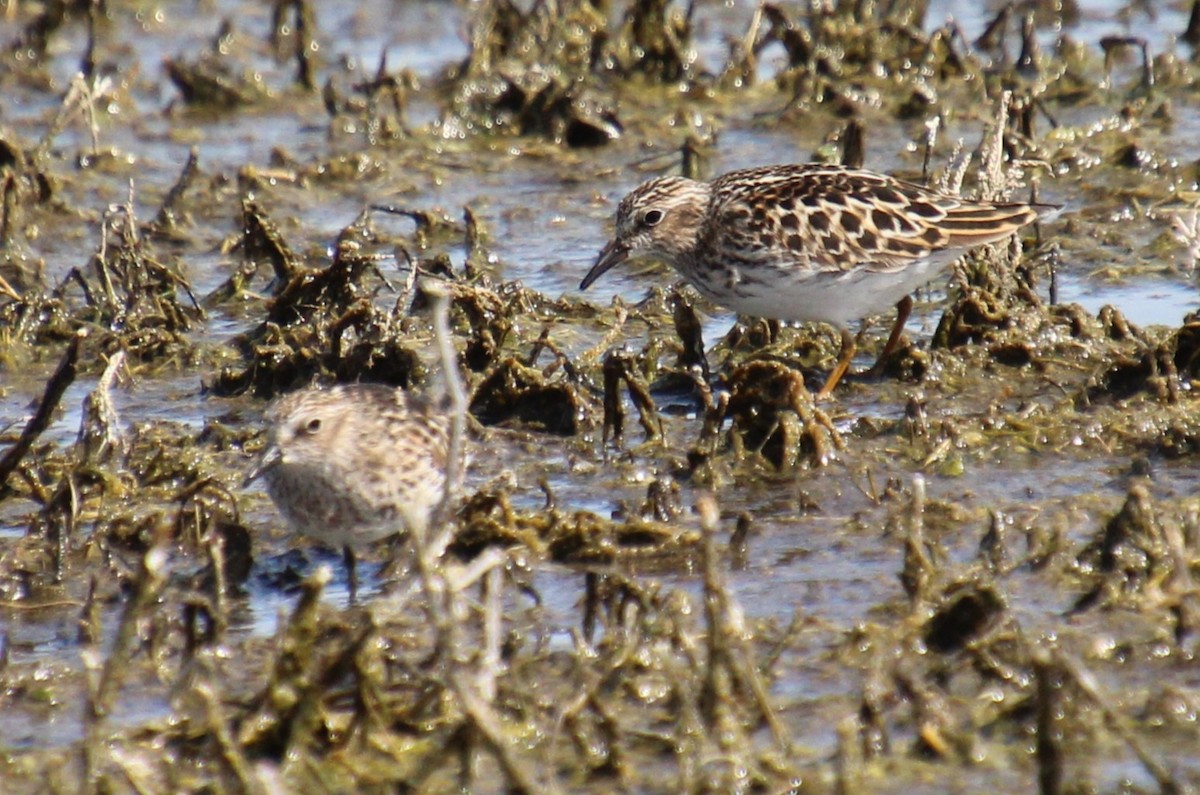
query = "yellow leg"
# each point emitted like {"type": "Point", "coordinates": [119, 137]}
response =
{"type": "Point", "coordinates": [843, 364]}
{"type": "Point", "coordinates": [903, 310]}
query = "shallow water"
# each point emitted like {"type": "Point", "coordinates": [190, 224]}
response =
{"type": "Point", "coordinates": [834, 563]}
{"type": "Point", "coordinates": [545, 243]}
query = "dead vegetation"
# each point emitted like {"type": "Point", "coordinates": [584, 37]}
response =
{"type": "Point", "coordinates": [535, 645]}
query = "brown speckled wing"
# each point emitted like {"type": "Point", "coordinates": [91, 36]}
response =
{"type": "Point", "coordinates": [406, 436]}
{"type": "Point", "coordinates": [837, 219]}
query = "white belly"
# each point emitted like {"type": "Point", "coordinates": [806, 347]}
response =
{"type": "Point", "coordinates": [835, 298]}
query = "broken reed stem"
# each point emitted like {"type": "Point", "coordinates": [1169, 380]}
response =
{"type": "Point", "coordinates": [930, 144]}
{"type": "Point", "coordinates": [81, 97]}
{"type": "Point", "coordinates": [726, 629]}
{"type": "Point", "coordinates": [100, 428]}
{"type": "Point", "coordinates": [993, 183]}
{"type": "Point", "coordinates": [169, 209]}
{"type": "Point", "coordinates": [848, 762]}
{"type": "Point", "coordinates": [215, 547]}
{"type": "Point", "coordinates": [445, 606]}
{"type": "Point", "coordinates": [104, 678]}
{"type": "Point", "coordinates": [614, 409]}
{"type": "Point", "coordinates": [444, 603]}
{"type": "Point", "coordinates": [458, 418]}
{"type": "Point", "coordinates": [918, 568]}
{"type": "Point", "coordinates": [62, 378]}
{"type": "Point", "coordinates": [489, 662]}
{"type": "Point", "coordinates": [306, 44]}
{"type": "Point", "coordinates": [6, 289]}
{"type": "Point", "coordinates": [718, 665]}
{"type": "Point", "coordinates": [149, 584]}
{"type": "Point", "coordinates": [1168, 784]}
{"type": "Point", "coordinates": [1049, 752]}
{"type": "Point", "coordinates": [230, 753]}
{"type": "Point", "coordinates": [612, 337]}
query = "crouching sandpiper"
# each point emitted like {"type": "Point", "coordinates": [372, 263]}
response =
{"type": "Point", "coordinates": [354, 464]}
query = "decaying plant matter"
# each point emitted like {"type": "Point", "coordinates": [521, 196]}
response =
{"type": "Point", "coordinates": [666, 569]}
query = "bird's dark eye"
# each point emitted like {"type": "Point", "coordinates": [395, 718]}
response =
{"type": "Point", "coordinates": [313, 425]}
{"type": "Point", "coordinates": [652, 217]}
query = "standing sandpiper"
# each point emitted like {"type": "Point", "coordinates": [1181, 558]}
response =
{"type": "Point", "coordinates": [354, 464]}
{"type": "Point", "coordinates": [805, 242]}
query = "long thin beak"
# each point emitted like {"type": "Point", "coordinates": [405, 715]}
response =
{"type": "Point", "coordinates": [269, 459]}
{"type": "Point", "coordinates": [613, 254]}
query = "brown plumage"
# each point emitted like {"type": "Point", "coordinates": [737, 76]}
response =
{"type": "Point", "coordinates": [805, 242]}
{"type": "Point", "coordinates": [354, 464]}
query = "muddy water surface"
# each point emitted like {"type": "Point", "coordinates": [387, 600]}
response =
{"type": "Point", "coordinates": [1029, 441]}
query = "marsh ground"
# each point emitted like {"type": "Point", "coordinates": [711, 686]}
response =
{"type": "Point", "coordinates": [974, 574]}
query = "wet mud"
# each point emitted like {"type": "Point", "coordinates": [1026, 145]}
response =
{"type": "Point", "coordinates": [670, 569]}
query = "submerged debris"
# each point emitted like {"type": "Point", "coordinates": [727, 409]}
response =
{"type": "Point", "coordinates": [891, 610]}
{"type": "Point", "coordinates": [527, 75]}
{"type": "Point", "coordinates": [774, 415]}
{"type": "Point", "coordinates": [512, 393]}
